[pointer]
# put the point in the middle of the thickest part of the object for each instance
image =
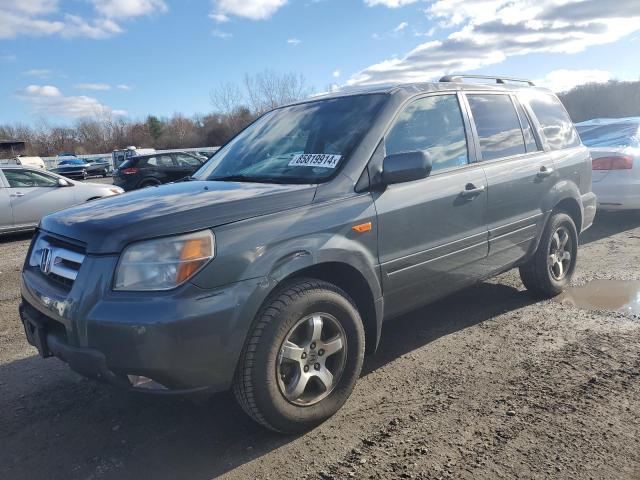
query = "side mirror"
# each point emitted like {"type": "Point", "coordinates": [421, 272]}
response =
{"type": "Point", "coordinates": [406, 167]}
{"type": "Point", "coordinates": [63, 183]}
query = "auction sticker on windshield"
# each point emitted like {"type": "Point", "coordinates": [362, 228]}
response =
{"type": "Point", "coordinates": [315, 160]}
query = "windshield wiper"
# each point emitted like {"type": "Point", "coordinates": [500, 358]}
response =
{"type": "Point", "coordinates": [243, 178]}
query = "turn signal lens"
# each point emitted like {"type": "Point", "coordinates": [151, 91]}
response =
{"type": "Point", "coordinates": [362, 227]}
{"type": "Point", "coordinates": [194, 252]}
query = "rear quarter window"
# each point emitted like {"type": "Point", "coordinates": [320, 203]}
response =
{"type": "Point", "coordinates": [556, 125]}
{"type": "Point", "coordinates": [497, 125]}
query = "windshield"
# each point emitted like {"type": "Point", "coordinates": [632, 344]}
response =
{"type": "Point", "coordinates": [304, 143]}
{"type": "Point", "coordinates": [615, 134]}
{"type": "Point", "coordinates": [72, 162]}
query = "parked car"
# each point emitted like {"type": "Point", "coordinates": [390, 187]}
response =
{"type": "Point", "coordinates": [152, 170]}
{"type": "Point", "coordinates": [35, 162]}
{"type": "Point", "coordinates": [81, 169]}
{"type": "Point", "coordinates": [118, 157]}
{"type": "Point", "coordinates": [272, 270]}
{"type": "Point", "coordinates": [99, 165]}
{"type": "Point", "coordinates": [28, 194]}
{"type": "Point", "coordinates": [615, 151]}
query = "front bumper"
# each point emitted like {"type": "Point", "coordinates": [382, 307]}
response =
{"type": "Point", "coordinates": [186, 340]}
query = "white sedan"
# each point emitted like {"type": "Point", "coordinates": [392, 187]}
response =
{"type": "Point", "coordinates": [615, 151]}
{"type": "Point", "coordinates": [28, 194]}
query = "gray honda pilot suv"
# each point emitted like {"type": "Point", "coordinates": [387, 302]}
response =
{"type": "Point", "coordinates": [273, 268]}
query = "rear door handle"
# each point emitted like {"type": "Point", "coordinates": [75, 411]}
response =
{"type": "Point", "coordinates": [470, 190]}
{"type": "Point", "coordinates": [545, 172]}
{"type": "Point", "coordinates": [17, 194]}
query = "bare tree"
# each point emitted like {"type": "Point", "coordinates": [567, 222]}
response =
{"type": "Point", "coordinates": [226, 98]}
{"type": "Point", "coordinates": [269, 89]}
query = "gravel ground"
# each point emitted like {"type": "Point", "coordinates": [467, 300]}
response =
{"type": "Point", "coordinates": [487, 384]}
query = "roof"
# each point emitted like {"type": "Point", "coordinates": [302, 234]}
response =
{"type": "Point", "coordinates": [426, 87]}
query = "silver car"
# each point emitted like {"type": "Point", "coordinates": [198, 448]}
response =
{"type": "Point", "coordinates": [28, 194]}
{"type": "Point", "coordinates": [615, 149]}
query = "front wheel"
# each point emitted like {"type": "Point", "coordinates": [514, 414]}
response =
{"type": "Point", "coordinates": [550, 270]}
{"type": "Point", "coordinates": [302, 358]}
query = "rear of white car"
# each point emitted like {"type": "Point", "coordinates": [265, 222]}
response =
{"type": "Point", "coordinates": [615, 153]}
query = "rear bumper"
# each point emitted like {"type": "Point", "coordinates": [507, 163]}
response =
{"type": "Point", "coordinates": [616, 192]}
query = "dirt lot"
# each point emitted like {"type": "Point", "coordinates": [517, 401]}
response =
{"type": "Point", "coordinates": [484, 384]}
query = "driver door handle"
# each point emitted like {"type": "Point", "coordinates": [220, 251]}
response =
{"type": "Point", "coordinates": [17, 194]}
{"type": "Point", "coordinates": [470, 190]}
{"type": "Point", "coordinates": [545, 172]}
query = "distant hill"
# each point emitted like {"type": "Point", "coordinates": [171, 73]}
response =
{"type": "Point", "coordinates": [613, 99]}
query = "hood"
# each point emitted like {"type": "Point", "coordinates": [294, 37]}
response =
{"type": "Point", "coordinates": [107, 225]}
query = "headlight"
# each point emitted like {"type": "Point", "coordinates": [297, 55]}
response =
{"type": "Point", "coordinates": [164, 263]}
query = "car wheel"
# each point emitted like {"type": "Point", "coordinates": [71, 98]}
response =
{"type": "Point", "coordinates": [149, 183]}
{"type": "Point", "coordinates": [551, 268]}
{"type": "Point", "coordinates": [104, 174]}
{"type": "Point", "coordinates": [302, 357]}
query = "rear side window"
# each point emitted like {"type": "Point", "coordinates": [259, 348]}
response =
{"type": "Point", "coordinates": [527, 130]}
{"type": "Point", "coordinates": [556, 125]}
{"type": "Point", "coordinates": [157, 161]}
{"type": "Point", "coordinates": [497, 125]}
{"type": "Point", "coordinates": [433, 125]}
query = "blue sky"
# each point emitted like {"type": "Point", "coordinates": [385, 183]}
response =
{"type": "Point", "coordinates": [64, 59]}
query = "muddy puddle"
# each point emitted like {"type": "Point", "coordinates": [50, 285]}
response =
{"type": "Point", "coordinates": [614, 295]}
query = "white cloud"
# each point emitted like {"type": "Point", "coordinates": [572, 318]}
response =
{"type": "Point", "coordinates": [8, 57]}
{"type": "Point", "coordinates": [124, 86]}
{"type": "Point", "coordinates": [42, 91]}
{"type": "Point", "coordinates": [563, 80]}
{"type": "Point", "coordinates": [38, 72]}
{"type": "Point", "coordinates": [218, 17]}
{"type": "Point", "coordinates": [92, 86]}
{"type": "Point", "coordinates": [42, 17]}
{"type": "Point", "coordinates": [48, 101]}
{"type": "Point", "coordinates": [489, 31]}
{"type": "Point", "coordinates": [251, 9]}
{"type": "Point", "coordinates": [33, 7]}
{"type": "Point", "coordinates": [389, 3]}
{"type": "Point", "coordinates": [129, 8]}
{"type": "Point", "coordinates": [221, 34]}
{"type": "Point", "coordinates": [401, 27]}
{"type": "Point", "coordinates": [336, 73]}
{"type": "Point", "coordinates": [294, 41]}
{"type": "Point", "coordinates": [100, 28]}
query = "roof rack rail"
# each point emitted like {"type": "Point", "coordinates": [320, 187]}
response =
{"type": "Point", "coordinates": [501, 80]}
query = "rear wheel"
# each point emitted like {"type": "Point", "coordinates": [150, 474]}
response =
{"type": "Point", "coordinates": [552, 266]}
{"type": "Point", "coordinates": [302, 358]}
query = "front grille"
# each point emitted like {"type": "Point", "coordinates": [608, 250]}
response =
{"type": "Point", "coordinates": [56, 259]}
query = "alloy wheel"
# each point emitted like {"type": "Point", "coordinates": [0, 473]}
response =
{"type": "Point", "coordinates": [311, 359]}
{"type": "Point", "coordinates": [559, 259]}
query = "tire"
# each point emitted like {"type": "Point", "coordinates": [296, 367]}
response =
{"type": "Point", "coordinates": [544, 275]}
{"type": "Point", "coordinates": [264, 384]}
{"type": "Point", "coordinates": [104, 174]}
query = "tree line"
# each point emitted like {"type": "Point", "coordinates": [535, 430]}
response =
{"type": "Point", "coordinates": [614, 99]}
{"type": "Point", "coordinates": [236, 105]}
